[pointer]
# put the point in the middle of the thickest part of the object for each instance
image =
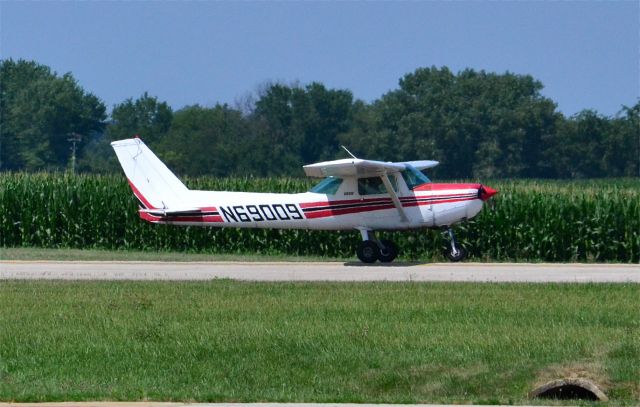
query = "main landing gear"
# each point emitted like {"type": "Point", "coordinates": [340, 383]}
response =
{"type": "Point", "coordinates": [454, 252]}
{"type": "Point", "coordinates": [372, 249]}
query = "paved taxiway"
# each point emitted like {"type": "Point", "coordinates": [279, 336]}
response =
{"type": "Point", "coordinates": [328, 271]}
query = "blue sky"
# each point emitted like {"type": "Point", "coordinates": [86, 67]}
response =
{"type": "Point", "coordinates": [585, 53]}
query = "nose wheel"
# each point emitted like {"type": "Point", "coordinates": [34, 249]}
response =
{"type": "Point", "coordinates": [455, 252]}
{"type": "Point", "coordinates": [371, 249]}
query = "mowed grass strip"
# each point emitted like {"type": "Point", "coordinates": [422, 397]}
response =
{"type": "Point", "coordinates": [37, 254]}
{"type": "Point", "coordinates": [313, 342]}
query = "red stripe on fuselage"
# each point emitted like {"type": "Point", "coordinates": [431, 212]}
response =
{"type": "Point", "coordinates": [308, 205]}
{"type": "Point", "coordinates": [345, 211]}
{"type": "Point", "coordinates": [304, 205]}
{"type": "Point", "coordinates": [438, 202]}
{"type": "Point", "coordinates": [371, 208]}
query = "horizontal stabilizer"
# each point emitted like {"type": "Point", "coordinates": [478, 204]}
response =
{"type": "Point", "coordinates": [174, 212]}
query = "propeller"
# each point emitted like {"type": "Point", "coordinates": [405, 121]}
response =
{"type": "Point", "coordinates": [485, 192]}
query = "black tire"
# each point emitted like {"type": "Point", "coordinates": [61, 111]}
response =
{"type": "Point", "coordinates": [368, 251]}
{"type": "Point", "coordinates": [455, 257]}
{"type": "Point", "coordinates": [389, 253]}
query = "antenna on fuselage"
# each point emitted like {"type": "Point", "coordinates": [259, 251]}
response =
{"type": "Point", "coordinates": [349, 152]}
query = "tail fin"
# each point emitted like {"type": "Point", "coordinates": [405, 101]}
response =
{"type": "Point", "coordinates": [155, 186]}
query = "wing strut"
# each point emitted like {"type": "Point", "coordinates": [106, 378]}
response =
{"type": "Point", "coordinates": [394, 197]}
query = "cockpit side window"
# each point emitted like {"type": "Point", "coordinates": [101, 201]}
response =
{"type": "Point", "coordinates": [328, 186]}
{"type": "Point", "coordinates": [374, 185]}
{"type": "Point", "coordinates": [413, 177]}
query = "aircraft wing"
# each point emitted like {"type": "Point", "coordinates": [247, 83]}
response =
{"type": "Point", "coordinates": [422, 164]}
{"type": "Point", "coordinates": [352, 167]}
{"type": "Point", "coordinates": [356, 167]}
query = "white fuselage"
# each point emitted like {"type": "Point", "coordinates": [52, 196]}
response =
{"type": "Point", "coordinates": [430, 205]}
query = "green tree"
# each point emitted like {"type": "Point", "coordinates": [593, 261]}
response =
{"type": "Point", "coordinates": [204, 140]}
{"type": "Point", "coordinates": [590, 145]}
{"type": "Point", "coordinates": [477, 124]}
{"type": "Point", "coordinates": [271, 134]}
{"type": "Point", "coordinates": [576, 149]}
{"type": "Point", "coordinates": [146, 117]}
{"type": "Point", "coordinates": [38, 111]}
{"type": "Point", "coordinates": [621, 156]}
{"type": "Point", "coordinates": [300, 125]}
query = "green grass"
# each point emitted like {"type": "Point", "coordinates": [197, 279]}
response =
{"type": "Point", "coordinates": [313, 342]}
{"type": "Point", "coordinates": [35, 254]}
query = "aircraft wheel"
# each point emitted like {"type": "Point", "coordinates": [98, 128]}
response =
{"type": "Point", "coordinates": [389, 253]}
{"type": "Point", "coordinates": [459, 254]}
{"type": "Point", "coordinates": [368, 251]}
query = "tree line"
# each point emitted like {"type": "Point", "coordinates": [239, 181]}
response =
{"type": "Point", "coordinates": [477, 124]}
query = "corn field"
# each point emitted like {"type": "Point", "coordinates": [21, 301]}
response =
{"type": "Point", "coordinates": [597, 220]}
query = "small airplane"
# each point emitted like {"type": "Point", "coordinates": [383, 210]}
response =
{"type": "Point", "coordinates": [355, 194]}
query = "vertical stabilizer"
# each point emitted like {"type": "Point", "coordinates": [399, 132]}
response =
{"type": "Point", "coordinates": [151, 181]}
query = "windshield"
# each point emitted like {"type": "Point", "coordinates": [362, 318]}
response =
{"type": "Point", "coordinates": [328, 186]}
{"type": "Point", "coordinates": [413, 177]}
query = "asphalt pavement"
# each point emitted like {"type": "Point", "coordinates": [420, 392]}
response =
{"type": "Point", "coordinates": [320, 271]}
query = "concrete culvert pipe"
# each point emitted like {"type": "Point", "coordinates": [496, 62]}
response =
{"type": "Point", "coordinates": [569, 389]}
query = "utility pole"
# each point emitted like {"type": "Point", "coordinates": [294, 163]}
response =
{"type": "Point", "coordinates": [74, 138]}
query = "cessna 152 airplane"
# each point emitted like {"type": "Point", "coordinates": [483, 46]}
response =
{"type": "Point", "coordinates": [355, 194]}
